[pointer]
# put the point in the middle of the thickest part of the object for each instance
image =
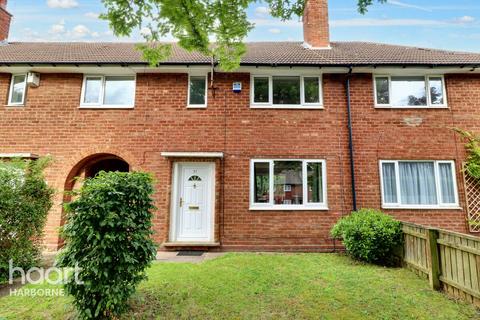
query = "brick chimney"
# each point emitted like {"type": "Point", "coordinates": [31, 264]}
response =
{"type": "Point", "coordinates": [316, 33]}
{"type": "Point", "coordinates": [5, 19]}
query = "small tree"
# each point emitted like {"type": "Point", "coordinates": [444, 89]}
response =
{"type": "Point", "coordinates": [108, 236]}
{"type": "Point", "coordinates": [370, 235]}
{"type": "Point", "coordinates": [25, 200]}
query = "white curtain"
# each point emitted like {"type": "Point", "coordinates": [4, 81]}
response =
{"type": "Point", "coordinates": [389, 183]}
{"type": "Point", "coordinates": [446, 182]}
{"type": "Point", "coordinates": [417, 183]}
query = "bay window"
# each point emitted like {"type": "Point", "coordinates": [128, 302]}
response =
{"type": "Point", "coordinates": [108, 92]}
{"type": "Point", "coordinates": [286, 91]}
{"type": "Point", "coordinates": [418, 184]}
{"type": "Point", "coordinates": [288, 185]}
{"type": "Point", "coordinates": [410, 91]}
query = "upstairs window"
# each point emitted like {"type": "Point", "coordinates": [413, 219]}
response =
{"type": "Point", "coordinates": [286, 92]}
{"type": "Point", "coordinates": [18, 88]}
{"type": "Point", "coordinates": [418, 184]}
{"type": "Point", "coordinates": [410, 91]}
{"type": "Point", "coordinates": [197, 91]}
{"type": "Point", "coordinates": [288, 185]}
{"type": "Point", "coordinates": [108, 92]}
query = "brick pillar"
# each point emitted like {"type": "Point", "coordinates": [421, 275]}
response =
{"type": "Point", "coordinates": [315, 24]}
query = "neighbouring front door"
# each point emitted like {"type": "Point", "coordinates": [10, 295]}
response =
{"type": "Point", "coordinates": [194, 202]}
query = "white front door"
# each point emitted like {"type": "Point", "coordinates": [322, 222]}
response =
{"type": "Point", "coordinates": [193, 213]}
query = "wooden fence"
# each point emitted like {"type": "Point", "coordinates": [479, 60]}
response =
{"type": "Point", "coordinates": [450, 260]}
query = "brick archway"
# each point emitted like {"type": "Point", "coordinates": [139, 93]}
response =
{"type": "Point", "coordinates": [88, 167]}
{"type": "Point", "coordinates": [91, 165]}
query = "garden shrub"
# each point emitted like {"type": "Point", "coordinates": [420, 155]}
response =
{"type": "Point", "coordinates": [25, 200]}
{"type": "Point", "coordinates": [108, 236]}
{"type": "Point", "coordinates": [370, 235]}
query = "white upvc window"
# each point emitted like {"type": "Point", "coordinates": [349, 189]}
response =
{"type": "Point", "coordinates": [425, 91]}
{"type": "Point", "coordinates": [418, 184]}
{"type": "Point", "coordinates": [286, 91]}
{"type": "Point", "coordinates": [288, 184]}
{"type": "Point", "coordinates": [197, 91]}
{"type": "Point", "coordinates": [18, 89]}
{"type": "Point", "coordinates": [100, 91]}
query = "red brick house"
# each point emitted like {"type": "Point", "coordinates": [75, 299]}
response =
{"type": "Point", "coordinates": [268, 157]}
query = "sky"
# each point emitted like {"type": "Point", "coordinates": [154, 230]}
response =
{"type": "Point", "coordinates": [442, 24]}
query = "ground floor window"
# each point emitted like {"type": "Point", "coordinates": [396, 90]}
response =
{"type": "Point", "coordinates": [288, 184]}
{"type": "Point", "coordinates": [418, 184]}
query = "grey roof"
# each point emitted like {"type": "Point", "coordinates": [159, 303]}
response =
{"type": "Point", "coordinates": [258, 53]}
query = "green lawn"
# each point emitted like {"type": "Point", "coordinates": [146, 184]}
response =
{"type": "Point", "coordinates": [268, 286]}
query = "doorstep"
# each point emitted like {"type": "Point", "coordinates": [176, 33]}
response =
{"type": "Point", "coordinates": [190, 244]}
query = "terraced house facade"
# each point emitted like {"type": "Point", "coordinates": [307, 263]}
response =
{"type": "Point", "coordinates": [268, 157]}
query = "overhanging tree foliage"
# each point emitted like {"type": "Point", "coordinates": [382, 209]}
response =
{"type": "Point", "coordinates": [216, 28]}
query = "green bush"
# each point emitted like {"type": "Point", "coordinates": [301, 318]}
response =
{"type": "Point", "coordinates": [370, 235]}
{"type": "Point", "coordinates": [25, 200]}
{"type": "Point", "coordinates": [108, 236]}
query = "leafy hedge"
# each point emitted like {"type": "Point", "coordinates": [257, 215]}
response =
{"type": "Point", "coordinates": [370, 235]}
{"type": "Point", "coordinates": [25, 200]}
{"type": "Point", "coordinates": [108, 234]}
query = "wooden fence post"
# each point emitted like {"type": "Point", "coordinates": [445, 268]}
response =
{"type": "Point", "coordinates": [434, 259]}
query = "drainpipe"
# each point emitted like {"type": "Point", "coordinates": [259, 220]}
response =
{"type": "Point", "coordinates": [350, 142]}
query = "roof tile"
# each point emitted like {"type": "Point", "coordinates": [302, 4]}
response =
{"type": "Point", "coordinates": [261, 53]}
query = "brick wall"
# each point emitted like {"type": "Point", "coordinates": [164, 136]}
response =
{"type": "Point", "coordinates": [412, 134]}
{"type": "Point", "coordinates": [52, 123]}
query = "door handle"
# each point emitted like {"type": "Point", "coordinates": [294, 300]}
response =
{"type": "Point", "coordinates": [181, 202]}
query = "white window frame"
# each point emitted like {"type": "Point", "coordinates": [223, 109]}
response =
{"type": "Point", "coordinates": [10, 93]}
{"type": "Point", "coordinates": [279, 207]}
{"type": "Point", "coordinates": [197, 106]}
{"type": "Point", "coordinates": [427, 90]}
{"type": "Point", "coordinates": [100, 104]}
{"type": "Point", "coordinates": [270, 105]}
{"type": "Point", "coordinates": [439, 205]}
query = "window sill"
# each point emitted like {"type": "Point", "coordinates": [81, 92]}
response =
{"type": "Point", "coordinates": [14, 105]}
{"type": "Point", "coordinates": [106, 107]}
{"type": "Point", "coordinates": [306, 107]}
{"type": "Point", "coordinates": [410, 107]}
{"type": "Point", "coordinates": [292, 208]}
{"type": "Point", "coordinates": [422, 207]}
{"type": "Point", "coordinates": [196, 106]}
